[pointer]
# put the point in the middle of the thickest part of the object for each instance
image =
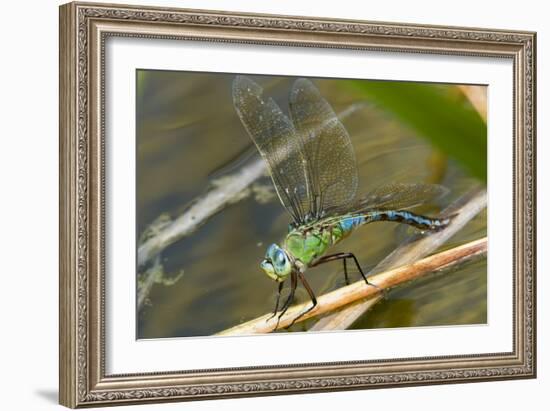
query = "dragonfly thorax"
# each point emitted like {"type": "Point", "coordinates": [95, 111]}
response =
{"type": "Point", "coordinates": [277, 263]}
{"type": "Point", "coordinates": [311, 217]}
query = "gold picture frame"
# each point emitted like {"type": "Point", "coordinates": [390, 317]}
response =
{"type": "Point", "coordinates": [84, 27]}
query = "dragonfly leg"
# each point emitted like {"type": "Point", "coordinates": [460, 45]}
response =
{"type": "Point", "coordinates": [311, 295]}
{"type": "Point", "coordinates": [351, 255]}
{"type": "Point", "coordinates": [363, 274]}
{"type": "Point", "coordinates": [293, 285]}
{"type": "Point", "coordinates": [344, 256]}
{"type": "Point", "coordinates": [277, 302]}
{"type": "Point", "coordinates": [334, 257]}
{"type": "Point", "coordinates": [346, 270]}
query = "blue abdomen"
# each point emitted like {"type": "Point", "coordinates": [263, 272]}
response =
{"type": "Point", "coordinates": [348, 224]}
{"type": "Point", "coordinates": [407, 217]}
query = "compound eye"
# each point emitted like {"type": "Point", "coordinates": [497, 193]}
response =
{"type": "Point", "coordinates": [271, 250]}
{"type": "Point", "coordinates": [280, 258]}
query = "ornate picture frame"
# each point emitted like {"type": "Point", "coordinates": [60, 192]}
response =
{"type": "Point", "coordinates": [84, 30]}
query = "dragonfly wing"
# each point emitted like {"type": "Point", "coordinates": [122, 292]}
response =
{"type": "Point", "coordinates": [399, 196]}
{"type": "Point", "coordinates": [276, 140]}
{"type": "Point", "coordinates": [330, 167]}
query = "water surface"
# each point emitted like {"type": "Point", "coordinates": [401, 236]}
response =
{"type": "Point", "coordinates": [188, 135]}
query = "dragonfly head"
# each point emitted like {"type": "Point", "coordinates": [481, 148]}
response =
{"type": "Point", "coordinates": [276, 264]}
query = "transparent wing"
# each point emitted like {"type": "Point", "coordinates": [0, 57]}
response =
{"type": "Point", "coordinates": [330, 165]}
{"type": "Point", "coordinates": [399, 196]}
{"type": "Point", "coordinates": [276, 140]}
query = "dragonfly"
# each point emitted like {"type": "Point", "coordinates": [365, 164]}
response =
{"type": "Point", "coordinates": [312, 164]}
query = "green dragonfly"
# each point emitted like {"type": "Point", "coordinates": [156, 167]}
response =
{"type": "Point", "coordinates": [312, 164]}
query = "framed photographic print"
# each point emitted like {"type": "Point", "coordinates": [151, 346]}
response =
{"type": "Point", "coordinates": [260, 204]}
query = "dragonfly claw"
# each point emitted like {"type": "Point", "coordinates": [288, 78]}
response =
{"type": "Point", "coordinates": [382, 291]}
{"type": "Point", "coordinates": [271, 316]}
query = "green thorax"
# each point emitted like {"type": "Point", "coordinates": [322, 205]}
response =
{"type": "Point", "coordinates": [307, 243]}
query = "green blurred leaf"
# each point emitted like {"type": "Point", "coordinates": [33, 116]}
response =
{"type": "Point", "coordinates": [450, 124]}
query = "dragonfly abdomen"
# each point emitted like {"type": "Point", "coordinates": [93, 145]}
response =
{"type": "Point", "coordinates": [407, 217]}
{"type": "Point", "coordinates": [350, 223]}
